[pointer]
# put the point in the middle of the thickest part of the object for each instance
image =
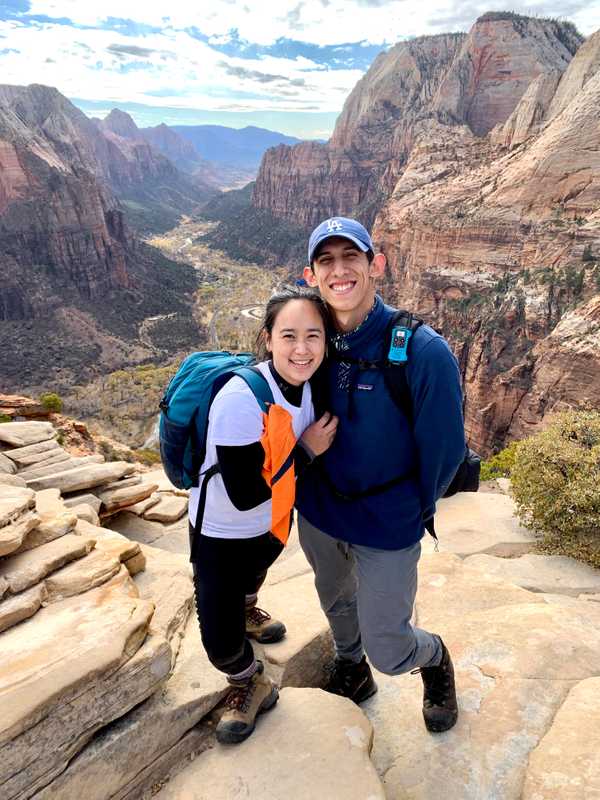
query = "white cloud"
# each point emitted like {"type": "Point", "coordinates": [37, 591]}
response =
{"type": "Point", "coordinates": [338, 21]}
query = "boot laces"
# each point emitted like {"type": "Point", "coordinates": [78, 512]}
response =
{"type": "Point", "coordinates": [256, 616]}
{"type": "Point", "coordinates": [436, 681]}
{"type": "Point", "coordinates": [239, 697]}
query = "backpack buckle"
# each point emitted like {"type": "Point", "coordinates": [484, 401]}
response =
{"type": "Point", "coordinates": [163, 405]}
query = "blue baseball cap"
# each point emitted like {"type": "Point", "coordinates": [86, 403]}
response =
{"type": "Point", "coordinates": [339, 226]}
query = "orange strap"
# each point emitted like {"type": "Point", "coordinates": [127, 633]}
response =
{"type": "Point", "coordinates": [278, 441]}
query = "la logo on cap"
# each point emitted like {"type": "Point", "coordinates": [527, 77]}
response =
{"type": "Point", "coordinates": [334, 225]}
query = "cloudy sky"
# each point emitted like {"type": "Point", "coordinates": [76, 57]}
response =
{"type": "Point", "coordinates": [287, 65]}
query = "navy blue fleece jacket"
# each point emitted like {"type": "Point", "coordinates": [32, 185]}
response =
{"type": "Point", "coordinates": [376, 443]}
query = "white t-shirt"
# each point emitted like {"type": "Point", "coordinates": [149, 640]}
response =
{"type": "Point", "coordinates": [235, 418]}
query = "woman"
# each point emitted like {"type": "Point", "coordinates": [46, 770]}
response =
{"type": "Point", "coordinates": [236, 544]}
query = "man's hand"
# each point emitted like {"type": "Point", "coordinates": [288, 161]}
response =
{"type": "Point", "coordinates": [319, 436]}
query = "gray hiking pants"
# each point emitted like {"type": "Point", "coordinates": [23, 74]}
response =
{"type": "Point", "coordinates": [368, 596]}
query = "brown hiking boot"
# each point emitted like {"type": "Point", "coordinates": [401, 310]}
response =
{"type": "Point", "coordinates": [440, 709]}
{"type": "Point", "coordinates": [243, 704]}
{"type": "Point", "coordinates": [262, 627]}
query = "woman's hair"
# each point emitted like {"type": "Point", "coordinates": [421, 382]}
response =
{"type": "Point", "coordinates": [276, 302]}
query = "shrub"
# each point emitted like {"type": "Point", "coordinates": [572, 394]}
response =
{"type": "Point", "coordinates": [147, 457]}
{"type": "Point", "coordinates": [51, 402]}
{"type": "Point", "coordinates": [5, 418]}
{"type": "Point", "coordinates": [556, 485]}
{"type": "Point", "coordinates": [500, 465]}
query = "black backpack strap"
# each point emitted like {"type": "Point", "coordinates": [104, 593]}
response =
{"type": "Point", "coordinates": [205, 476]}
{"type": "Point", "coordinates": [395, 373]}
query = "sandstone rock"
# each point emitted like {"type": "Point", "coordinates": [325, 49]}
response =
{"type": "Point", "coordinates": [168, 509]}
{"type": "Point", "coordinates": [121, 484]}
{"type": "Point", "coordinates": [50, 455]}
{"type": "Point", "coordinates": [159, 476]}
{"type": "Point", "coordinates": [22, 456]}
{"type": "Point", "coordinates": [511, 680]}
{"type": "Point", "coordinates": [48, 503]}
{"type": "Point", "coordinates": [26, 569]}
{"type": "Point", "coordinates": [3, 587]}
{"type": "Point", "coordinates": [447, 585]}
{"type": "Point", "coordinates": [86, 573]}
{"type": "Point", "coordinates": [83, 477]}
{"type": "Point", "coordinates": [13, 534]}
{"type": "Point", "coordinates": [143, 505]}
{"type": "Point", "coordinates": [565, 765]}
{"type": "Point", "coordinates": [20, 434]}
{"type": "Point", "coordinates": [299, 659]}
{"type": "Point", "coordinates": [121, 497]}
{"type": "Point", "coordinates": [86, 512]}
{"type": "Point", "coordinates": [21, 406]}
{"type": "Point", "coordinates": [83, 498]}
{"type": "Point", "coordinates": [529, 113]}
{"type": "Point", "coordinates": [135, 564]}
{"type": "Point", "coordinates": [50, 530]}
{"type": "Point", "coordinates": [479, 523]}
{"type": "Point", "coordinates": [49, 469]}
{"type": "Point", "coordinates": [110, 542]}
{"type": "Point", "coordinates": [557, 574]}
{"type": "Point", "coordinates": [69, 671]}
{"type": "Point", "coordinates": [167, 582]}
{"type": "Point", "coordinates": [584, 66]}
{"type": "Point", "coordinates": [324, 738]}
{"type": "Point", "coordinates": [22, 606]}
{"type": "Point", "coordinates": [138, 742]}
{"type": "Point", "coordinates": [14, 501]}
{"type": "Point", "coordinates": [11, 480]}
{"type": "Point", "coordinates": [6, 465]}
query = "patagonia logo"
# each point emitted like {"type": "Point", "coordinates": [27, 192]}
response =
{"type": "Point", "coordinates": [365, 387]}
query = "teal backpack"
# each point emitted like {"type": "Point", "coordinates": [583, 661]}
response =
{"type": "Point", "coordinates": [185, 405]}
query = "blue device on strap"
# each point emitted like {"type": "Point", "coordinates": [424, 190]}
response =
{"type": "Point", "coordinates": [400, 338]}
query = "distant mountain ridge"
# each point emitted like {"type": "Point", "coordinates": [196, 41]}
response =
{"type": "Point", "coordinates": [243, 147]}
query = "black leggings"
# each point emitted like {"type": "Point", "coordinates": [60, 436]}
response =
{"type": "Point", "coordinates": [225, 571]}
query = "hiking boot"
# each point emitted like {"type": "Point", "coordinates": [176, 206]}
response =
{"type": "Point", "coordinates": [243, 704]}
{"type": "Point", "coordinates": [261, 627]}
{"type": "Point", "coordinates": [351, 679]}
{"type": "Point", "coordinates": [440, 710]}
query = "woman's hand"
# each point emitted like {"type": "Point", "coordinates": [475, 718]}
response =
{"type": "Point", "coordinates": [319, 436]}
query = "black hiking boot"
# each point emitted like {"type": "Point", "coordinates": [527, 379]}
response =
{"type": "Point", "coordinates": [440, 710]}
{"type": "Point", "coordinates": [351, 679]}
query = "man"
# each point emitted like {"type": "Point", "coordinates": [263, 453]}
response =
{"type": "Point", "coordinates": [363, 505]}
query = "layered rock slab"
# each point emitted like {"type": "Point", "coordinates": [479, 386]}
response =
{"type": "Point", "coordinates": [566, 763]}
{"type": "Point", "coordinates": [539, 573]}
{"type": "Point", "coordinates": [509, 649]}
{"type": "Point", "coordinates": [479, 523]}
{"type": "Point", "coordinates": [74, 667]}
{"type": "Point", "coordinates": [138, 746]}
{"type": "Point", "coordinates": [26, 569]}
{"type": "Point", "coordinates": [311, 745]}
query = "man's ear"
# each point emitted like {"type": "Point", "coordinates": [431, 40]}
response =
{"type": "Point", "coordinates": [377, 266]}
{"type": "Point", "coordinates": [309, 276]}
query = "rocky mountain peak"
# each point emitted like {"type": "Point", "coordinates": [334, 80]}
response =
{"type": "Point", "coordinates": [499, 59]}
{"type": "Point", "coordinates": [122, 124]}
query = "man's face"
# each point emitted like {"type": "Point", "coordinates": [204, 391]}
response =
{"type": "Point", "coordinates": [343, 275]}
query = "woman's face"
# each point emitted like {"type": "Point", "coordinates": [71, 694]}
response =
{"type": "Point", "coordinates": [297, 341]}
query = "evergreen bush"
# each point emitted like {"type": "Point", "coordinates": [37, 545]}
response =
{"type": "Point", "coordinates": [499, 465]}
{"type": "Point", "coordinates": [556, 485]}
{"type": "Point", "coordinates": [51, 402]}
